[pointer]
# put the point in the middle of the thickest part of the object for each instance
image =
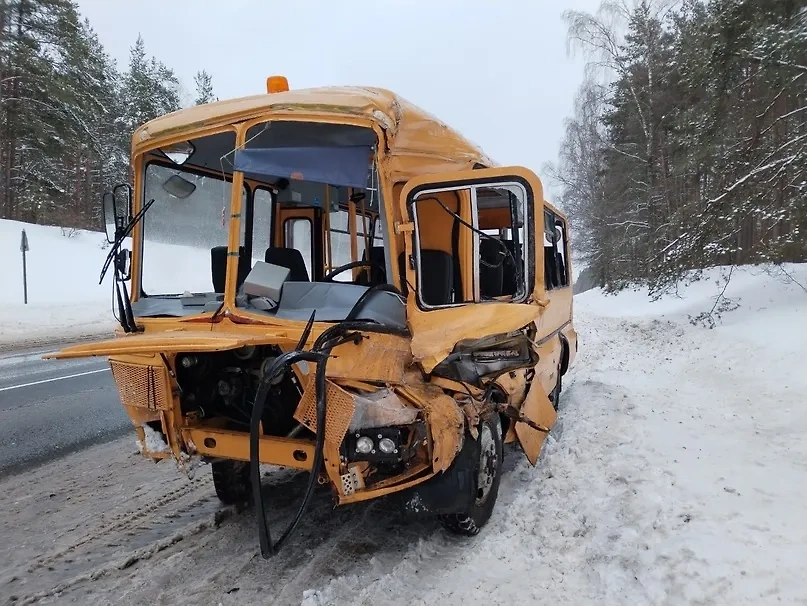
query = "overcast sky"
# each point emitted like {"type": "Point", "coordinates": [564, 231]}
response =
{"type": "Point", "coordinates": [497, 70]}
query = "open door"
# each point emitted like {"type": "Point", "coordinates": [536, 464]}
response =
{"type": "Point", "coordinates": [470, 256]}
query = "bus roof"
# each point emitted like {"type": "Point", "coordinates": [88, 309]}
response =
{"type": "Point", "coordinates": [418, 142]}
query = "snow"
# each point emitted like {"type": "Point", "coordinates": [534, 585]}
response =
{"type": "Point", "coordinates": [65, 300]}
{"type": "Point", "coordinates": [675, 475]}
{"type": "Point", "coordinates": [155, 442]}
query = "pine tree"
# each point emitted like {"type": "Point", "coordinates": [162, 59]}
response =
{"type": "Point", "coordinates": [66, 114]}
{"type": "Point", "coordinates": [204, 88]}
{"type": "Point", "coordinates": [150, 88]}
{"type": "Point", "coordinates": [697, 153]}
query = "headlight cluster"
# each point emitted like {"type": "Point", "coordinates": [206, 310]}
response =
{"type": "Point", "coordinates": [375, 444]}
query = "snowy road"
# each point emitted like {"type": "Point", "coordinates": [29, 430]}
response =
{"type": "Point", "coordinates": [49, 408]}
{"type": "Point", "coordinates": [676, 475]}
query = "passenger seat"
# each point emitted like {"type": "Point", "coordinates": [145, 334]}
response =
{"type": "Point", "coordinates": [290, 258]}
{"type": "Point", "coordinates": [437, 276]}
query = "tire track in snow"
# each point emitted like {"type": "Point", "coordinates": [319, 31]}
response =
{"type": "Point", "coordinates": [134, 521]}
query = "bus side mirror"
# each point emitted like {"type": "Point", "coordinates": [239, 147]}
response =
{"type": "Point", "coordinates": [108, 212]}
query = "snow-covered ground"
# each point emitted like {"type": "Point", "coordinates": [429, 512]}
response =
{"type": "Point", "coordinates": [64, 297]}
{"type": "Point", "coordinates": [65, 301]}
{"type": "Point", "coordinates": [676, 475]}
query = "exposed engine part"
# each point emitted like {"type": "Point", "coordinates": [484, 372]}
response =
{"type": "Point", "coordinates": [224, 385]}
{"type": "Point", "coordinates": [266, 366]}
{"type": "Point", "coordinates": [246, 352]}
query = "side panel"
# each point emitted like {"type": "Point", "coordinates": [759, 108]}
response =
{"type": "Point", "coordinates": [538, 408]}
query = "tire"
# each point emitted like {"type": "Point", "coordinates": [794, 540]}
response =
{"type": "Point", "coordinates": [554, 395]}
{"type": "Point", "coordinates": [488, 475]}
{"type": "Point", "coordinates": [232, 482]}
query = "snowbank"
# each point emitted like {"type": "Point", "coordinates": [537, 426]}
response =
{"type": "Point", "coordinates": [64, 297]}
{"type": "Point", "coordinates": [65, 300]}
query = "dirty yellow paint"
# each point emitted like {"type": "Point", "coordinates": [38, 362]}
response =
{"type": "Point", "coordinates": [538, 408]}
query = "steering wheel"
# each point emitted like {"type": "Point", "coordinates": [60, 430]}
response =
{"type": "Point", "coordinates": [342, 268]}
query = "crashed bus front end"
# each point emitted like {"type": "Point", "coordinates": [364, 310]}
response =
{"type": "Point", "coordinates": [318, 282]}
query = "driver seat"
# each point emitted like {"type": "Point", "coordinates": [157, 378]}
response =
{"type": "Point", "coordinates": [377, 271]}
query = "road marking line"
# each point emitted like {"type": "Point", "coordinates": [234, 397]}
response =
{"type": "Point", "coordinates": [78, 374]}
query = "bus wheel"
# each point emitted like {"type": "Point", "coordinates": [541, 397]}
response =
{"type": "Point", "coordinates": [231, 481]}
{"type": "Point", "coordinates": [488, 476]}
{"type": "Point", "coordinates": [554, 395]}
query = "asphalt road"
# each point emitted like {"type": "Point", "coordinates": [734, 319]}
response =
{"type": "Point", "coordinates": [49, 408]}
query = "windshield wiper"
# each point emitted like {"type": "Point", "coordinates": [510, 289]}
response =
{"type": "Point", "coordinates": [126, 320]}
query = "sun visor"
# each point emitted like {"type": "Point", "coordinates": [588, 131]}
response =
{"type": "Point", "coordinates": [341, 166]}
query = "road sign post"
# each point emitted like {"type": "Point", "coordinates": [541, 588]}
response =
{"type": "Point", "coordinates": [24, 249]}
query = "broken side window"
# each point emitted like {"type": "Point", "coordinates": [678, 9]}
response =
{"type": "Point", "coordinates": [471, 244]}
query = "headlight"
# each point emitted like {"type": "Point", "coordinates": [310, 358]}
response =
{"type": "Point", "coordinates": [364, 445]}
{"type": "Point", "coordinates": [386, 446]}
{"type": "Point", "coordinates": [379, 444]}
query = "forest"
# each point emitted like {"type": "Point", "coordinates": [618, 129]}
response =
{"type": "Point", "coordinates": [688, 144]}
{"type": "Point", "coordinates": [67, 112]}
{"type": "Point", "coordinates": [687, 147]}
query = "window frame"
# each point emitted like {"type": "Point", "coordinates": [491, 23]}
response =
{"type": "Point", "coordinates": [528, 227]}
{"type": "Point", "coordinates": [557, 221]}
{"type": "Point", "coordinates": [181, 168]}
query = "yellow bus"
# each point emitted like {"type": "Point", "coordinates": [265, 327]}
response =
{"type": "Point", "coordinates": [333, 280]}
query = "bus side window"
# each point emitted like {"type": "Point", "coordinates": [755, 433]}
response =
{"type": "Point", "coordinates": [297, 234]}
{"type": "Point", "coordinates": [261, 223]}
{"type": "Point", "coordinates": [556, 265]}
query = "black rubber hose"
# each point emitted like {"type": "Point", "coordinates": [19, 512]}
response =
{"type": "Point", "coordinates": [319, 355]}
{"type": "Point", "coordinates": [278, 366]}
{"type": "Point", "coordinates": [318, 452]}
{"type": "Point", "coordinates": [306, 332]}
